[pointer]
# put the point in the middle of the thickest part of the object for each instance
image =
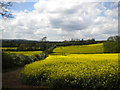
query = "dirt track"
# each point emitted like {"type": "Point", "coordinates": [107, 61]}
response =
{"type": "Point", "coordinates": [11, 80]}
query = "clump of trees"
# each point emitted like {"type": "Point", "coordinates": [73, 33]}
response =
{"type": "Point", "coordinates": [112, 45]}
{"type": "Point", "coordinates": [43, 44]}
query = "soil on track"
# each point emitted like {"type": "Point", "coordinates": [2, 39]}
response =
{"type": "Point", "coordinates": [10, 80]}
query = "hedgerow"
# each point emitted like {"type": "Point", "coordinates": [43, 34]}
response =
{"type": "Point", "coordinates": [16, 59]}
{"type": "Point", "coordinates": [112, 45]}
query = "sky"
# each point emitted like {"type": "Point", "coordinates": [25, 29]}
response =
{"type": "Point", "coordinates": [60, 20]}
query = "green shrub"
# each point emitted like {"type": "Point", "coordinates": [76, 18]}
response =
{"type": "Point", "coordinates": [10, 60]}
{"type": "Point", "coordinates": [15, 60]}
{"type": "Point", "coordinates": [7, 61]}
{"type": "Point", "coordinates": [112, 45]}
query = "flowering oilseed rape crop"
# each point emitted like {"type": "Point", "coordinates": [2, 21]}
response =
{"type": "Point", "coordinates": [74, 71]}
{"type": "Point", "coordinates": [8, 47]}
{"type": "Point", "coordinates": [78, 49]}
{"type": "Point", "coordinates": [28, 53]}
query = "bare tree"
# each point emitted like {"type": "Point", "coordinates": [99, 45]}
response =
{"type": "Point", "coordinates": [44, 39]}
{"type": "Point", "coordinates": [43, 44]}
{"type": "Point", "coordinates": [5, 9]}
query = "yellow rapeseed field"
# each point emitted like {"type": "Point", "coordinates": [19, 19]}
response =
{"type": "Point", "coordinates": [28, 53]}
{"type": "Point", "coordinates": [74, 70]}
{"type": "Point", "coordinates": [8, 47]}
{"type": "Point", "coordinates": [78, 49]}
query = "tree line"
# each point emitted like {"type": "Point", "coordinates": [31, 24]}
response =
{"type": "Point", "coordinates": [43, 44]}
{"type": "Point", "coordinates": [111, 45]}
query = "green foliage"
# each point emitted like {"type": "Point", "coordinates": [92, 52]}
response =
{"type": "Point", "coordinates": [44, 46]}
{"type": "Point", "coordinates": [10, 60]}
{"type": "Point", "coordinates": [6, 61]}
{"type": "Point", "coordinates": [20, 58]}
{"type": "Point", "coordinates": [16, 42]}
{"type": "Point", "coordinates": [112, 45]}
{"type": "Point", "coordinates": [86, 71]}
{"type": "Point", "coordinates": [50, 50]}
{"type": "Point", "coordinates": [15, 60]}
{"type": "Point", "coordinates": [27, 47]}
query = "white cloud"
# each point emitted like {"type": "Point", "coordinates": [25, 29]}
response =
{"type": "Point", "coordinates": [60, 20]}
{"type": "Point", "coordinates": [112, 13]}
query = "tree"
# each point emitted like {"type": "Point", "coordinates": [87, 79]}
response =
{"type": "Point", "coordinates": [43, 44]}
{"type": "Point", "coordinates": [5, 9]}
{"type": "Point", "coordinates": [44, 39]}
{"type": "Point", "coordinates": [112, 45]}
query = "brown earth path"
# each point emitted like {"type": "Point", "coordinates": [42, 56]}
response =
{"type": "Point", "coordinates": [10, 79]}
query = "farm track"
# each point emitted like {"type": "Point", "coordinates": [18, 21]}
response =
{"type": "Point", "coordinates": [11, 80]}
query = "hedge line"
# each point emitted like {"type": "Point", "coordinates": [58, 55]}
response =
{"type": "Point", "coordinates": [17, 60]}
{"type": "Point", "coordinates": [112, 45]}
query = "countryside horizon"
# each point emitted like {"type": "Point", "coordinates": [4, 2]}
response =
{"type": "Point", "coordinates": [60, 44]}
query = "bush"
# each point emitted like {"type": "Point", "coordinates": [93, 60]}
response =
{"type": "Point", "coordinates": [15, 60]}
{"type": "Point", "coordinates": [50, 50]}
{"type": "Point", "coordinates": [10, 60]}
{"type": "Point", "coordinates": [7, 61]}
{"type": "Point", "coordinates": [112, 45]}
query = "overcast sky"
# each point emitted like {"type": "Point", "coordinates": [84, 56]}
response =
{"type": "Point", "coordinates": [61, 20]}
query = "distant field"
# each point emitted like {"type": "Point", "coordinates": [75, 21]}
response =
{"type": "Point", "coordinates": [78, 49]}
{"type": "Point", "coordinates": [28, 53]}
{"type": "Point", "coordinates": [8, 47]}
{"type": "Point", "coordinates": [74, 70]}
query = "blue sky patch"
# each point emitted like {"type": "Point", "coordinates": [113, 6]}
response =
{"type": "Point", "coordinates": [23, 6]}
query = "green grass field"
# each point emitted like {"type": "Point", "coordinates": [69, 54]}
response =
{"type": "Point", "coordinates": [28, 53]}
{"type": "Point", "coordinates": [74, 71]}
{"type": "Point", "coordinates": [78, 49]}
